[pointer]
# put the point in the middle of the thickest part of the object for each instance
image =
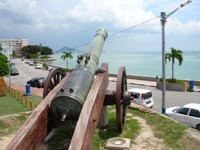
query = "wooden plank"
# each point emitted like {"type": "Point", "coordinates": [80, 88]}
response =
{"type": "Point", "coordinates": [88, 119]}
{"type": "Point", "coordinates": [33, 132]}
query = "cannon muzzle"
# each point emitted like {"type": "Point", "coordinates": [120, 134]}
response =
{"type": "Point", "coordinates": [68, 102]}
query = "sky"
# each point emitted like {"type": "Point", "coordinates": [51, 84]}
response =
{"type": "Point", "coordinates": [59, 23]}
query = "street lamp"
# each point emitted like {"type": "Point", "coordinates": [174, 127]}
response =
{"type": "Point", "coordinates": [163, 21]}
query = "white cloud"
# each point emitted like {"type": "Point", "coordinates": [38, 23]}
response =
{"type": "Point", "coordinates": [77, 18]}
{"type": "Point", "coordinates": [121, 13]}
{"type": "Point", "coordinates": [175, 27]}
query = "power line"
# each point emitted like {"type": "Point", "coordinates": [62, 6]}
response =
{"type": "Point", "coordinates": [133, 26]}
{"type": "Point", "coordinates": [115, 33]}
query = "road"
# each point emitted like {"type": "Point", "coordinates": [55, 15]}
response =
{"type": "Point", "coordinates": [26, 73]}
{"type": "Point", "coordinates": [173, 98]}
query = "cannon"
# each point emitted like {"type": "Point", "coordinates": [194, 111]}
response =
{"type": "Point", "coordinates": [78, 96]}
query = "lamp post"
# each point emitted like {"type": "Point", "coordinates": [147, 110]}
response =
{"type": "Point", "coordinates": [9, 65]}
{"type": "Point", "coordinates": [163, 21]}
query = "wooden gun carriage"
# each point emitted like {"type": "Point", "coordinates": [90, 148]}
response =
{"type": "Point", "coordinates": [79, 96]}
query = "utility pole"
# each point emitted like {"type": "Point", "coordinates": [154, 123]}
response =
{"type": "Point", "coordinates": [163, 21]}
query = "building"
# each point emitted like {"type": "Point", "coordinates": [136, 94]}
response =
{"type": "Point", "coordinates": [13, 45]}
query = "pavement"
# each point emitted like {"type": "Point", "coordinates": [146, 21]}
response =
{"type": "Point", "coordinates": [39, 91]}
{"type": "Point", "coordinates": [34, 91]}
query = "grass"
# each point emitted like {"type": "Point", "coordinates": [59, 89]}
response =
{"type": "Point", "coordinates": [12, 124]}
{"type": "Point", "coordinates": [172, 133]}
{"type": "Point", "coordinates": [163, 128]}
{"type": "Point", "coordinates": [130, 130]}
{"type": "Point", "coordinates": [10, 104]}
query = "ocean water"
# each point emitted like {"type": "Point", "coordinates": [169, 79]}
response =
{"type": "Point", "coordinates": [144, 63]}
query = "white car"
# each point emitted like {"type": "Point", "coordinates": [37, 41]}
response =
{"type": "Point", "coordinates": [38, 66]}
{"type": "Point", "coordinates": [188, 114]}
{"type": "Point", "coordinates": [142, 96]}
{"type": "Point", "coordinates": [31, 63]}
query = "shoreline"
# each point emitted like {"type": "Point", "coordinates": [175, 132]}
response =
{"type": "Point", "coordinates": [139, 77]}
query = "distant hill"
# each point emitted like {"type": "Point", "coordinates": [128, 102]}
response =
{"type": "Point", "coordinates": [67, 49]}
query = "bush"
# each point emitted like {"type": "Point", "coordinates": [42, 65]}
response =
{"type": "Point", "coordinates": [67, 70]}
{"type": "Point", "coordinates": [173, 80]}
{"type": "Point", "coordinates": [4, 67]}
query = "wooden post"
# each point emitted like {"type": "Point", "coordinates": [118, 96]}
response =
{"type": "Point", "coordinates": [18, 96]}
{"type": "Point", "coordinates": [26, 102]}
{"type": "Point", "coordinates": [31, 107]}
{"type": "Point", "coordinates": [15, 93]}
{"type": "Point", "coordinates": [21, 97]}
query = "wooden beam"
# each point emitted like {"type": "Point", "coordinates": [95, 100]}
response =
{"type": "Point", "coordinates": [88, 119]}
{"type": "Point", "coordinates": [33, 132]}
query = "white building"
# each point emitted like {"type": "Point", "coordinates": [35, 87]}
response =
{"type": "Point", "coordinates": [10, 45]}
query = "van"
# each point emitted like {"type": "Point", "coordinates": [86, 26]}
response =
{"type": "Point", "coordinates": [142, 97]}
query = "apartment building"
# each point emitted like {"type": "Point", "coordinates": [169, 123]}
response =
{"type": "Point", "coordinates": [13, 45]}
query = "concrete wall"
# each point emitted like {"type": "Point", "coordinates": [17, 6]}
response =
{"type": "Point", "coordinates": [196, 83]}
{"type": "Point", "coordinates": [136, 77]}
{"type": "Point", "coordinates": [174, 86]}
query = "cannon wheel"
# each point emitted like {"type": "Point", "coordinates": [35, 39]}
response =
{"type": "Point", "coordinates": [53, 78]}
{"type": "Point", "coordinates": [121, 89]}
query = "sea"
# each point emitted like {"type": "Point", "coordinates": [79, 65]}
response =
{"type": "Point", "coordinates": [145, 63]}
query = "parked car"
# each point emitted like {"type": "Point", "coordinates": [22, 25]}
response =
{"type": "Point", "coordinates": [12, 65]}
{"type": "Point", "coordinates": [188, 114]}
{"type": "Point", "coordinates": [49, 68]}
{"type": "Point", "coordinates": [14, 71]}
{"type": "Point", "coordinates": [142, 96]}
{"type": "Point", "coordinates": [38, 66]}
{"type": "Point", "coordinates": [31, 63]}
{"type": "Point", "coordinates": [37, 82]}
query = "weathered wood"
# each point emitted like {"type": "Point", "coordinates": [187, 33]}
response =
{"type": "Point", "coordinates": [33, 132]}
{"type": "Point", "coordinates": [88, 119]}
{"type": "Point", "coordinates": [3, 87]}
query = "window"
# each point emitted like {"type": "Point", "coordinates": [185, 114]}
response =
{"type": "Point", "coordinates": [135, 95]}
{"type": "Point", "coordinates": [194, 113]}
{"type": "Point", "coordinates": [183, 111]}
{"type": "Point", "coordinates": [147, 95]}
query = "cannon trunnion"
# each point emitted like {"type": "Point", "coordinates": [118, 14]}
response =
{"type": "Point", "coordinates": [78, 96]}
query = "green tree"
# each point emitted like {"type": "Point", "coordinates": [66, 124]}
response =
{"type": "Point", "coordinates": [44, 58]}
{"type": "Point", "coordinates": [31, 51]}
{"type": "Point", "coordinates": [175, 54]}
{"type": "Point", "coordinates": [1, 48]}
{"type": "Point", "coordinates": [66, 56]}
{"type": "Point", "coordinates": [4, 68]}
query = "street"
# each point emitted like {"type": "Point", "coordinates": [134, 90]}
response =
{"type": "Point", "coordinates": [173, 98]}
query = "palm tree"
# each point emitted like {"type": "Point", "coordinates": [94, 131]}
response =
{"type": "Point", "coordinates": [175, 54]}
{"type": "Point", "coordinates": [66, 56]}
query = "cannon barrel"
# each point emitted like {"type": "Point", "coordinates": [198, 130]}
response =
{"type": "Point", "coordinates": [68, 102]}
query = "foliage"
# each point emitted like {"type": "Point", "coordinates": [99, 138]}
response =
{"type": "Point", "coordinates": [4, 67]}
{"type": "Point", "coordinates": [32, 51]}
{"type": "Point", "coordinates": [44, 58]}
{"type": "Point", "coordinates": [67, 70]}
{"type": "Point", "coordinates": [173, 80]}
{"type": "Point", "coordinates": [1, 48]}
{"type": "Point", "coordinates": [44, 65]}
{"type": "Point", "coordinates": [13, 54]}
{"type": "Point", "coordinates": [175, 54]}
{"type": "Point", "coordinates": [66, 56]}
